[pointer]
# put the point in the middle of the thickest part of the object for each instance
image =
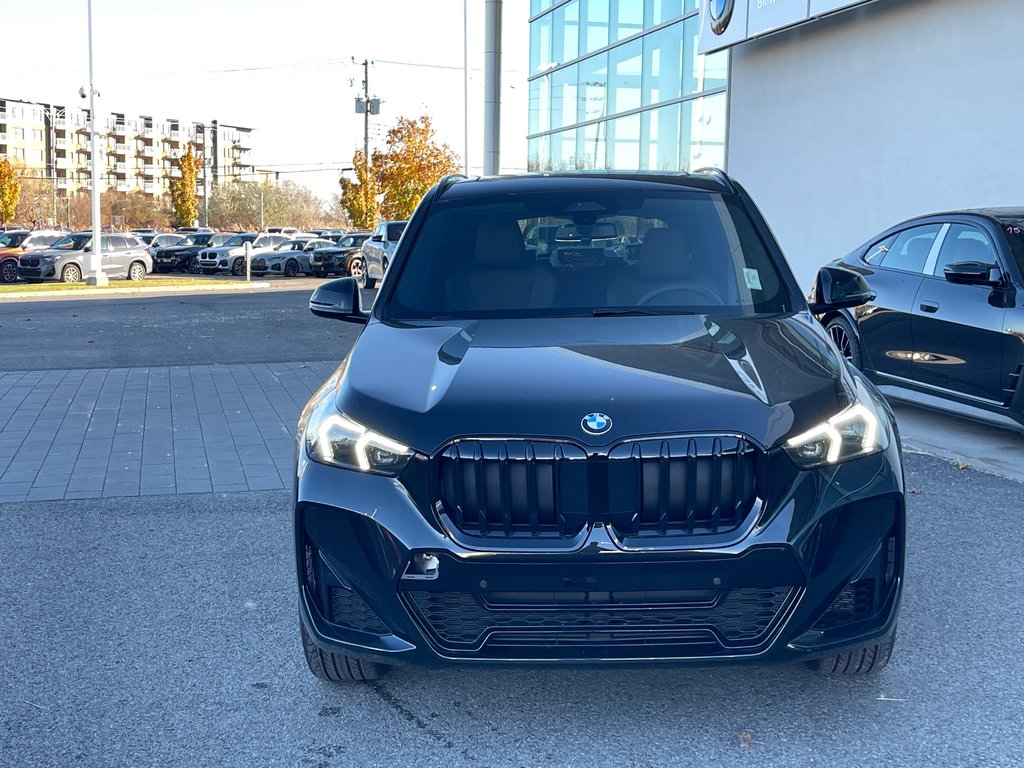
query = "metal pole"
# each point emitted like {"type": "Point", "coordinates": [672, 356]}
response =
{"type": "Point", "coordinates": [262, 225]}
{"type": "Point", "coordinates": [492, 87]}
{"type": "Point", "coordinates": [366, 112]}
{"type": "Point", "coordinates": [465, 83]}
{"type": "Point", "coordinates": [96, 275]}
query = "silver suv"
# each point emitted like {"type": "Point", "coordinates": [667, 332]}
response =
{"type": "Point", "coordinates": [122, 255]}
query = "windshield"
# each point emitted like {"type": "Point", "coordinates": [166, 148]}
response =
{"type": "Point", "coordinates": [12, 239]}
{"type": "Point", "coordinates": [352, 241]}
{"type": "Point", "coordinates": [267, 241]}
{"type": "Point", "coordinates": [237, 241]}
{"type": "Point", "coordinates": [395, 230]}
{"type": "Point", "coordinates": [619, 252]}
{"type": "Point", "coordinates": [196, 240]}
{"type": "Point", "coordinates": [73, 242]}
{"type": "Point", "coordinates": [218, 240]}
{"type": "Point", "coordinates": [1014, 229]}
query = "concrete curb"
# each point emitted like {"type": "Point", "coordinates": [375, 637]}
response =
{"type": "Point", "coordinates": [133, 291]}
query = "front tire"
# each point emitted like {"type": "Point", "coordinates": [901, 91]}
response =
{"type": "Point", "coordinates": [238, 267]}
{"type": "Point", "coordinates": [861, 661]}
{"type": "Point", "coordinates": [845, 339]}
{"type": "Point", "coordinates": [336, 667]}
{"type": "Point", "coordinates": [137, 271]}
{"type": "Point", "coordinates": [71, 274]}
{"type": "Point", "coordinates": [193, 267]}
{"type": "Point", "coordinates": [291, 268]}
{"type": "Point", "coordinates": [365, 281]}
{"type": "Point", "coordinates": [9, 271]}
{"type": "Point", "coordinates": [355, 268]}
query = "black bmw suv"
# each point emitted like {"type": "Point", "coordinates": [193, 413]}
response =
{"type": "Point", "coordinates": [594, 455]}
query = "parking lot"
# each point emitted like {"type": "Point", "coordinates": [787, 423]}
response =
{"type": "Point", "coordinates": [153, 623]}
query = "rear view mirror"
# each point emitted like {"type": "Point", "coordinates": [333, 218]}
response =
{"type": "Point", "coordinates": [339, 300]}
{"type": "Point", "coordinates": [838, 288]}
{"type": "Point", "coordinates": [972, 273]}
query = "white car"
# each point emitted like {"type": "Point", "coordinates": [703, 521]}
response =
{"type": "Point", "coordinates": [230, 257]}
{"type": "Point", "coordinates": [291, 258]}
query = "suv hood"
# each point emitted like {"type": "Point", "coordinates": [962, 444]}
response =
{"type": "Point", "coordinates": [426, 383]}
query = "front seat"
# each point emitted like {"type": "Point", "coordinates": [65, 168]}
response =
{"type": "Point", "coordinates": [662, 258]}
{"type": "Point", "coordinates": [500, 274]}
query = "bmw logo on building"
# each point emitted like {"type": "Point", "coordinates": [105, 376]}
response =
{"type": "Point", "coordinates": [596, 423]}
{"type": "Point", "coordinates": [721, 14]}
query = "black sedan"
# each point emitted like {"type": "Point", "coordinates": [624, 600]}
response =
{"type": "Point", "coordinates": [946, 328]}
{"type": "Point", "coordinates": [183, 256]}
{"type": "Point", "coordinates": [343, 259]}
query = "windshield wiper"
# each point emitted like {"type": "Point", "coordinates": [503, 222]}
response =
{"type": "Point", "coordinates": [624, 311]}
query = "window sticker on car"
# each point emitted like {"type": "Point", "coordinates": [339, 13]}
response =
{"type": "Point", "coordinates": [753, 279]}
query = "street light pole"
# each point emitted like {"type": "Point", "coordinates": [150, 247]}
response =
{"type": "Point", "coordinates": [96, 275]}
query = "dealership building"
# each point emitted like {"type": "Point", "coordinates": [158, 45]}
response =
{"type": "Point", "coordinates": [840, 117]}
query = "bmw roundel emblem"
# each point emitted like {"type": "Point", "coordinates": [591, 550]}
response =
{"type": "Point", "coordinates": [721, 14]}
{"type": "Point", "coordinates": [596, 423]}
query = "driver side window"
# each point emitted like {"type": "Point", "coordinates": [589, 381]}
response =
{"type": "Point", "coordinates": [964, 243]}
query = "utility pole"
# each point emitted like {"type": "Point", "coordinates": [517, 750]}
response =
{"type": "Point", "coordinates": [366, 111]}
{"type": "Point", "coordinates": [367, 107]}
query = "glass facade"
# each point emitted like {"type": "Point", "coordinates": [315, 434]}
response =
{"type": "Point", "coordinates": [618, 84]}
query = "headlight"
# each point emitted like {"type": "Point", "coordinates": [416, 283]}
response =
{"type": "Point", "coordinates": [333, 438]}
{"type": "Point", "coordinates": [859, 430]}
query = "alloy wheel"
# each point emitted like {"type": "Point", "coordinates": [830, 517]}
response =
{"type": "Point", "coordinates": [355, 269]}
{"type": "Point", "coordinates": [193, 266]}
{"type": "Point", "coordinates": [71, 274]}
{"type": "Point", "coordinates": [137, 272]}
{"type": "Point", "coordinates": [9, 273]}
{"type": "Point", "coordinates": [841, 339]}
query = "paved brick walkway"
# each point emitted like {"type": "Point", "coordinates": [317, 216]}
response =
{"type": "Point", "coordinates": [139, 431]}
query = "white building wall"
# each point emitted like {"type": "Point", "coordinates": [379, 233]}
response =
{"type": "Point", "coordinates": [852, 123]}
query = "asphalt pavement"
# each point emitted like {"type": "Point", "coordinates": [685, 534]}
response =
{"type": "Point", "coordinates": [163, 631]}
{"type": "Point", "coordinates": [162, 330]}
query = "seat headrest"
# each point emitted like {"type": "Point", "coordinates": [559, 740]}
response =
{"type": "Point", "coordinates": [972, 250]}
{"type": "Point", "coordinates": [499, 243]}
{"type": "Point", "coordinates": [917, 251]}
{"type": "Point", "coordinates": [664, 255]}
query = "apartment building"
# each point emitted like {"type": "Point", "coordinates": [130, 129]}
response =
{"type": "Point", "coordinates": [138, 153]}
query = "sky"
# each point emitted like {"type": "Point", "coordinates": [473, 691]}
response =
{"type": "Point", "coordinates": [283, 68]}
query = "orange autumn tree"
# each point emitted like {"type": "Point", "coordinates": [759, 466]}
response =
{"type": "Point", "coordinates": [410, 165]}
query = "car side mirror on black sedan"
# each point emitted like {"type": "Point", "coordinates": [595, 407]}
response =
{"type": "Point", "coordinates": [972, 273]}
{"type": "Point", "coordinates": [339, 299]}
{"type": "Point", "coordinates": [838, 288]}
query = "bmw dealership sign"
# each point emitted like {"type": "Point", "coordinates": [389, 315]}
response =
{"type": "Point", "coordinates": [727, 22]}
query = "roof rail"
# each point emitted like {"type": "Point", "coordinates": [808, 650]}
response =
{"type": "Point", "coordinates": [719, 174]}
{"type": "Point", "coordinates": [448, 180]}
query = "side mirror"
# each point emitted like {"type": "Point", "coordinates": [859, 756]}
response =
{"type": "Point", "coordinates": [838, 288]}
{"type": "Point", "coordinates": [340, 300]}
{"type": "Point", "coordinates": [972, 273]}
{"type": "Point", "coordinates": [377, 238]}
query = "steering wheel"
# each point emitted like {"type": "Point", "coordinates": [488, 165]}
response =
{"type": "Point", "coordinates": [697, 288]}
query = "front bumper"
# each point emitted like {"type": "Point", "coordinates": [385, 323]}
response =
{"type": "Point", "coordinates": [41, 272]}
{"type": "Point", "coordinates": [818, 571]}
{"type": "Point", "coordinates": [177, 261]}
